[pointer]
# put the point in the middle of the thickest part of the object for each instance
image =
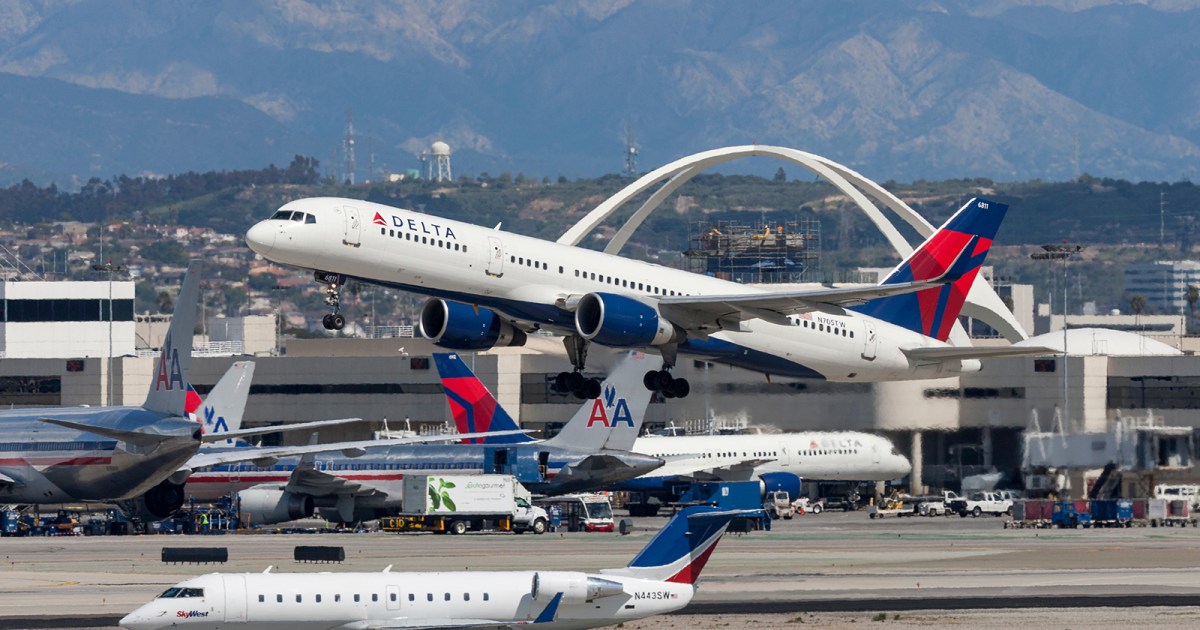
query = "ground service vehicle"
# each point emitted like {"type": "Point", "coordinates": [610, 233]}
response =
{"type": "Point", "coordinates": [580, 512]}
{"type": "Point", "coordinates": [979, 503]}
{"type": "Point", "coordinates": [778, 503]}
{"type": "Point", "coordinates": [462, 503]}
{"type": "Point", "coordinates": [1070, 514]}
{"type": "Point", "coordinates": [895, 505]}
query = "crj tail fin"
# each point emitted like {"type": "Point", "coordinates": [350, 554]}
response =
{"type": "Point", "coordinates": [681, 548]}
{"type": "Point", "coordinates": [168, 386]}
{"type": "Point", "coordinates": [955, 252]}
{"type": "Point", "coordinates": [222, 410]}
{"type": "Point", "coordinates": [475, 409]}
{"type": "Point", "coordinates": [613, 420]}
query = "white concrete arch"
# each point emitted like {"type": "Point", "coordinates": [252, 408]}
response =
{"type": "Point", "coordinates": [982, 302]}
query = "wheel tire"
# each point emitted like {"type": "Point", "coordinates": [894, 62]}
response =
{"type": "Point", "coordinates": [650, 380]}
{"type": "Point", "coordinates": [575, 382]}
{"type": "Point", "coordinates": [816, 508]}
{"type": "Point", "coordinates": [591, 389]}
{"type": "Point", "coordinates": [539, 526]}
{"type": "Point", "coordinates": [338, 321]}
{"type": "Point", "coordinates": [681, 387]}
{"type": "Point", "coordinates": [327, 321]}
{"type": "Point", "coordinates": [662, 380]}
{"type": "Point", "coordinates": [976, 512]}
{"type": "Point", "coordinates": [560, 383]}
{"type": "Point", "coordinates": [458, 527]}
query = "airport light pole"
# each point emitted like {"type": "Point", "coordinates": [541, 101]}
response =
{"type": "Point", "coordinates": [1061, 252]}
{"type": "Point", "coordinates": [110, 268]}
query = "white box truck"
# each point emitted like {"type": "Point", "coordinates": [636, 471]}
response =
{"type": "Point", "coordinates": [462, 503]}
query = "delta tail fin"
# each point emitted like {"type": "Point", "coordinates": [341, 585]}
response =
{"type": "Point", "coordinates": [474, 408]}
{"type": "Point", "coordinates": [954, 252]}
{"type": "Point", "coordinates": [222, 410]}
{"type": "Point", "coordinates": [681, 548]}
{"type": "Point", "coordinates": [614, 420]}
{"type": "Point", "coordinates": [169, 382]}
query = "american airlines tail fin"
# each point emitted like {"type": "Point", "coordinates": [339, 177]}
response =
{"type": "Point", "coordinates": [168, 385]}
{"type": "Point", "coordinates": [222, 410]}
{"type": "Point", "coordinates": [613, 420]}
{"type": "Point", "coordinates": [955, 252]}
{"type": "Point", "coordinates": [680, 549]}
{"type": "Point", "coordinates": [474, 408]}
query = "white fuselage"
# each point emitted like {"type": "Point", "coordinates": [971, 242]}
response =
{"type": "Point", "coordinates": [827, 456]}
{"type": "Point", "coordinates": [324, 601]}
{"type": "Point", "coordinates": [532, 280]}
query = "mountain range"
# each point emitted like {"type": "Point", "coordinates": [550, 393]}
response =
{"type": "Point", "coordinates": [899, 90]}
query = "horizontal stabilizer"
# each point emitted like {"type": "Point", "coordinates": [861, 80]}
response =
{"type": "Point", "coordinates": [299, 426]}
{"type": "Point", "coordinates": [5, 480]}
{"type": "Point", "coordinates": [948, 353]}
{"type": "Point", "coordinates": [132, 437]}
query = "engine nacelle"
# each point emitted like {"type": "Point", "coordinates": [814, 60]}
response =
{"type": "Point", "coordinates": [267, 506]}
{"type": "Point", "coordinates": [622, 322]}
{"type": "Point", "coordinates": [576, 588]}
{"type": "Point", "coordinates": [459, 326]}
{"type": "Point", "coordinates": [156, 504]}
{"type": "Point", "coordinates": [773, 481]}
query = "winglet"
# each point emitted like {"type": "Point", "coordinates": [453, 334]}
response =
{"type": "Point", "coordinates": [550, 612]}
{"type": "Point", "coordinates": [168, 387]}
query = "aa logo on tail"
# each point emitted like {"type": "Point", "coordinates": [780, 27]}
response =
{"type": "Point", "coordinates": [608, 411]}
{"type": "Point", "coordinates": [169, 374]}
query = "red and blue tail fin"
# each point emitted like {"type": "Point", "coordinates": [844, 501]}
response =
{"type": "Point", "coordinates": [955, 252]}
{"type": "Point", "coordinates": [475, 409]}
{"type": "Point", "coordinates": [681, 548]}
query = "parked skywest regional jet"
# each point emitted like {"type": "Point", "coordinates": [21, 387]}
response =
{"type": "Point", "coordinates": [490, 287]}
{"type": "Point", "coordinates": [778, 461]}
{"type": "Point", "coordinates": [368, 483]}
{"type": "Point", "coordinates": [660, 579]}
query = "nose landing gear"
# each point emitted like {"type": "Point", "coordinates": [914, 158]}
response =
{"type": "Point", "coordinates": [333, 283]}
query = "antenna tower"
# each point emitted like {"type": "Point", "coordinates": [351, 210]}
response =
{"type": "Point", "coordinates": [349, 147]}
{"type": "Point", "coordinates": [631, 153]}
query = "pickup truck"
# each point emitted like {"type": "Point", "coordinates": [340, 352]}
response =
{"type": "Point", "coordinates": [985, 503]}
{"type": "Point", "coordinates": [938, 506]}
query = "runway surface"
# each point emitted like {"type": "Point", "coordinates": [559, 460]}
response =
{"type": "Point", "coordinates": [827, 569]}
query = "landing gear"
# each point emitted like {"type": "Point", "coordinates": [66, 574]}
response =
{"type": "Point", "coordinates": [333, 283]}
{"type": "Point", "coordinates": [662, 382]}
{"type": "Point", "coordinates": [575, 382]}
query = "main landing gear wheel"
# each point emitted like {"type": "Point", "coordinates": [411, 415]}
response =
{"type": "Point", "coordinates": [662, 382]}
{"type": "Point", "coordinates": [582, 387]}
{"type": "Point", "coordinates": [333, 321]}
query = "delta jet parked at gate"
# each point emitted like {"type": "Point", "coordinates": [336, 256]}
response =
{"type": "Point", "coordinates": [660, 579]}
{"type": "Point", "coordinates": [778, 461]}
{"type": "Point", "coordinates": [488, 288]}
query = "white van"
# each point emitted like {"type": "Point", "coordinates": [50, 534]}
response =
{"type": "Point", "coordinates": [1189, 492]}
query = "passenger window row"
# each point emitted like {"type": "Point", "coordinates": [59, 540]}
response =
{"type": "Point", "coordinates": [358, 598]}
{"type": "Point", "coordinates": [424, 240]}
{"type": "Point", "coordinates": [823, 328]}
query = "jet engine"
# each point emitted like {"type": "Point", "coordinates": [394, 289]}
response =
{"type": "Point", "coordinates": [156, 504]}
{"type": "Point", "coordinates": [622, 322]}
{"type": "Point", "coordinates": [267, 506]}
{"type": "Point", "coordinates": [773, 481]}
{"type": "Point", "coordinates": [459, 326]}
{"type": "Point", "coordinates": [576, 588]}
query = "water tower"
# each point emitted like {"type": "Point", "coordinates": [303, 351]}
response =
{"type": "Point", "coordinates": [441, 161]}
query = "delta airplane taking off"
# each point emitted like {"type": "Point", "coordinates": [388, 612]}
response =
{"type": "Point", "coordinates": [490, 287]}
{"type": "Point", "coordinates": [660, 579]}
{"type": "Point", "coordinates": [368, 483]}
{"type": "Point", "coordinates": [778, 461]}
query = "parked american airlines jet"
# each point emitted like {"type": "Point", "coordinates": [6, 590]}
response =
{"type": "Point", "coordinates": [488, 288]}
{"type": "Point", "coordinates": [777, 461]}
{"type": "Point", "coordinates": [662, 578]}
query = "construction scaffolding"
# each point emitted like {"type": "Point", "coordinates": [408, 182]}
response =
{"type": "Point", "coordinates": [763, 253]}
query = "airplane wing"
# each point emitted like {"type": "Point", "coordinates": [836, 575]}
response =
{"type": "Point", "coordinates": [444, 624]}
{"type": "Point", "coordinates": [320, 483]}
{"type": "Point", "coordinates": [133, 437]}
{"type": "Point", "coordinates": [700, 311]}
{"type": "Point", "coordinates": [299, 426]}
{"type": "Point", "coordinates": [971, 352]}
{"type": "Point", "coordinates": [351, 449]}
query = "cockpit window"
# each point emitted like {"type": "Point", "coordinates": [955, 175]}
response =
{"type": "Point", "coordinates": [310, 218]}
{"type": "Point", "coordinates": [282, 215]}
{"type": "Point", "coordinates": [176, 592]}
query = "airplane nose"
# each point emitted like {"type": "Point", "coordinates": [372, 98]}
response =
{"type": "Point", "coordinates": [136, 621]}
{"type": "Point", "coordinates": [261, 237]}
